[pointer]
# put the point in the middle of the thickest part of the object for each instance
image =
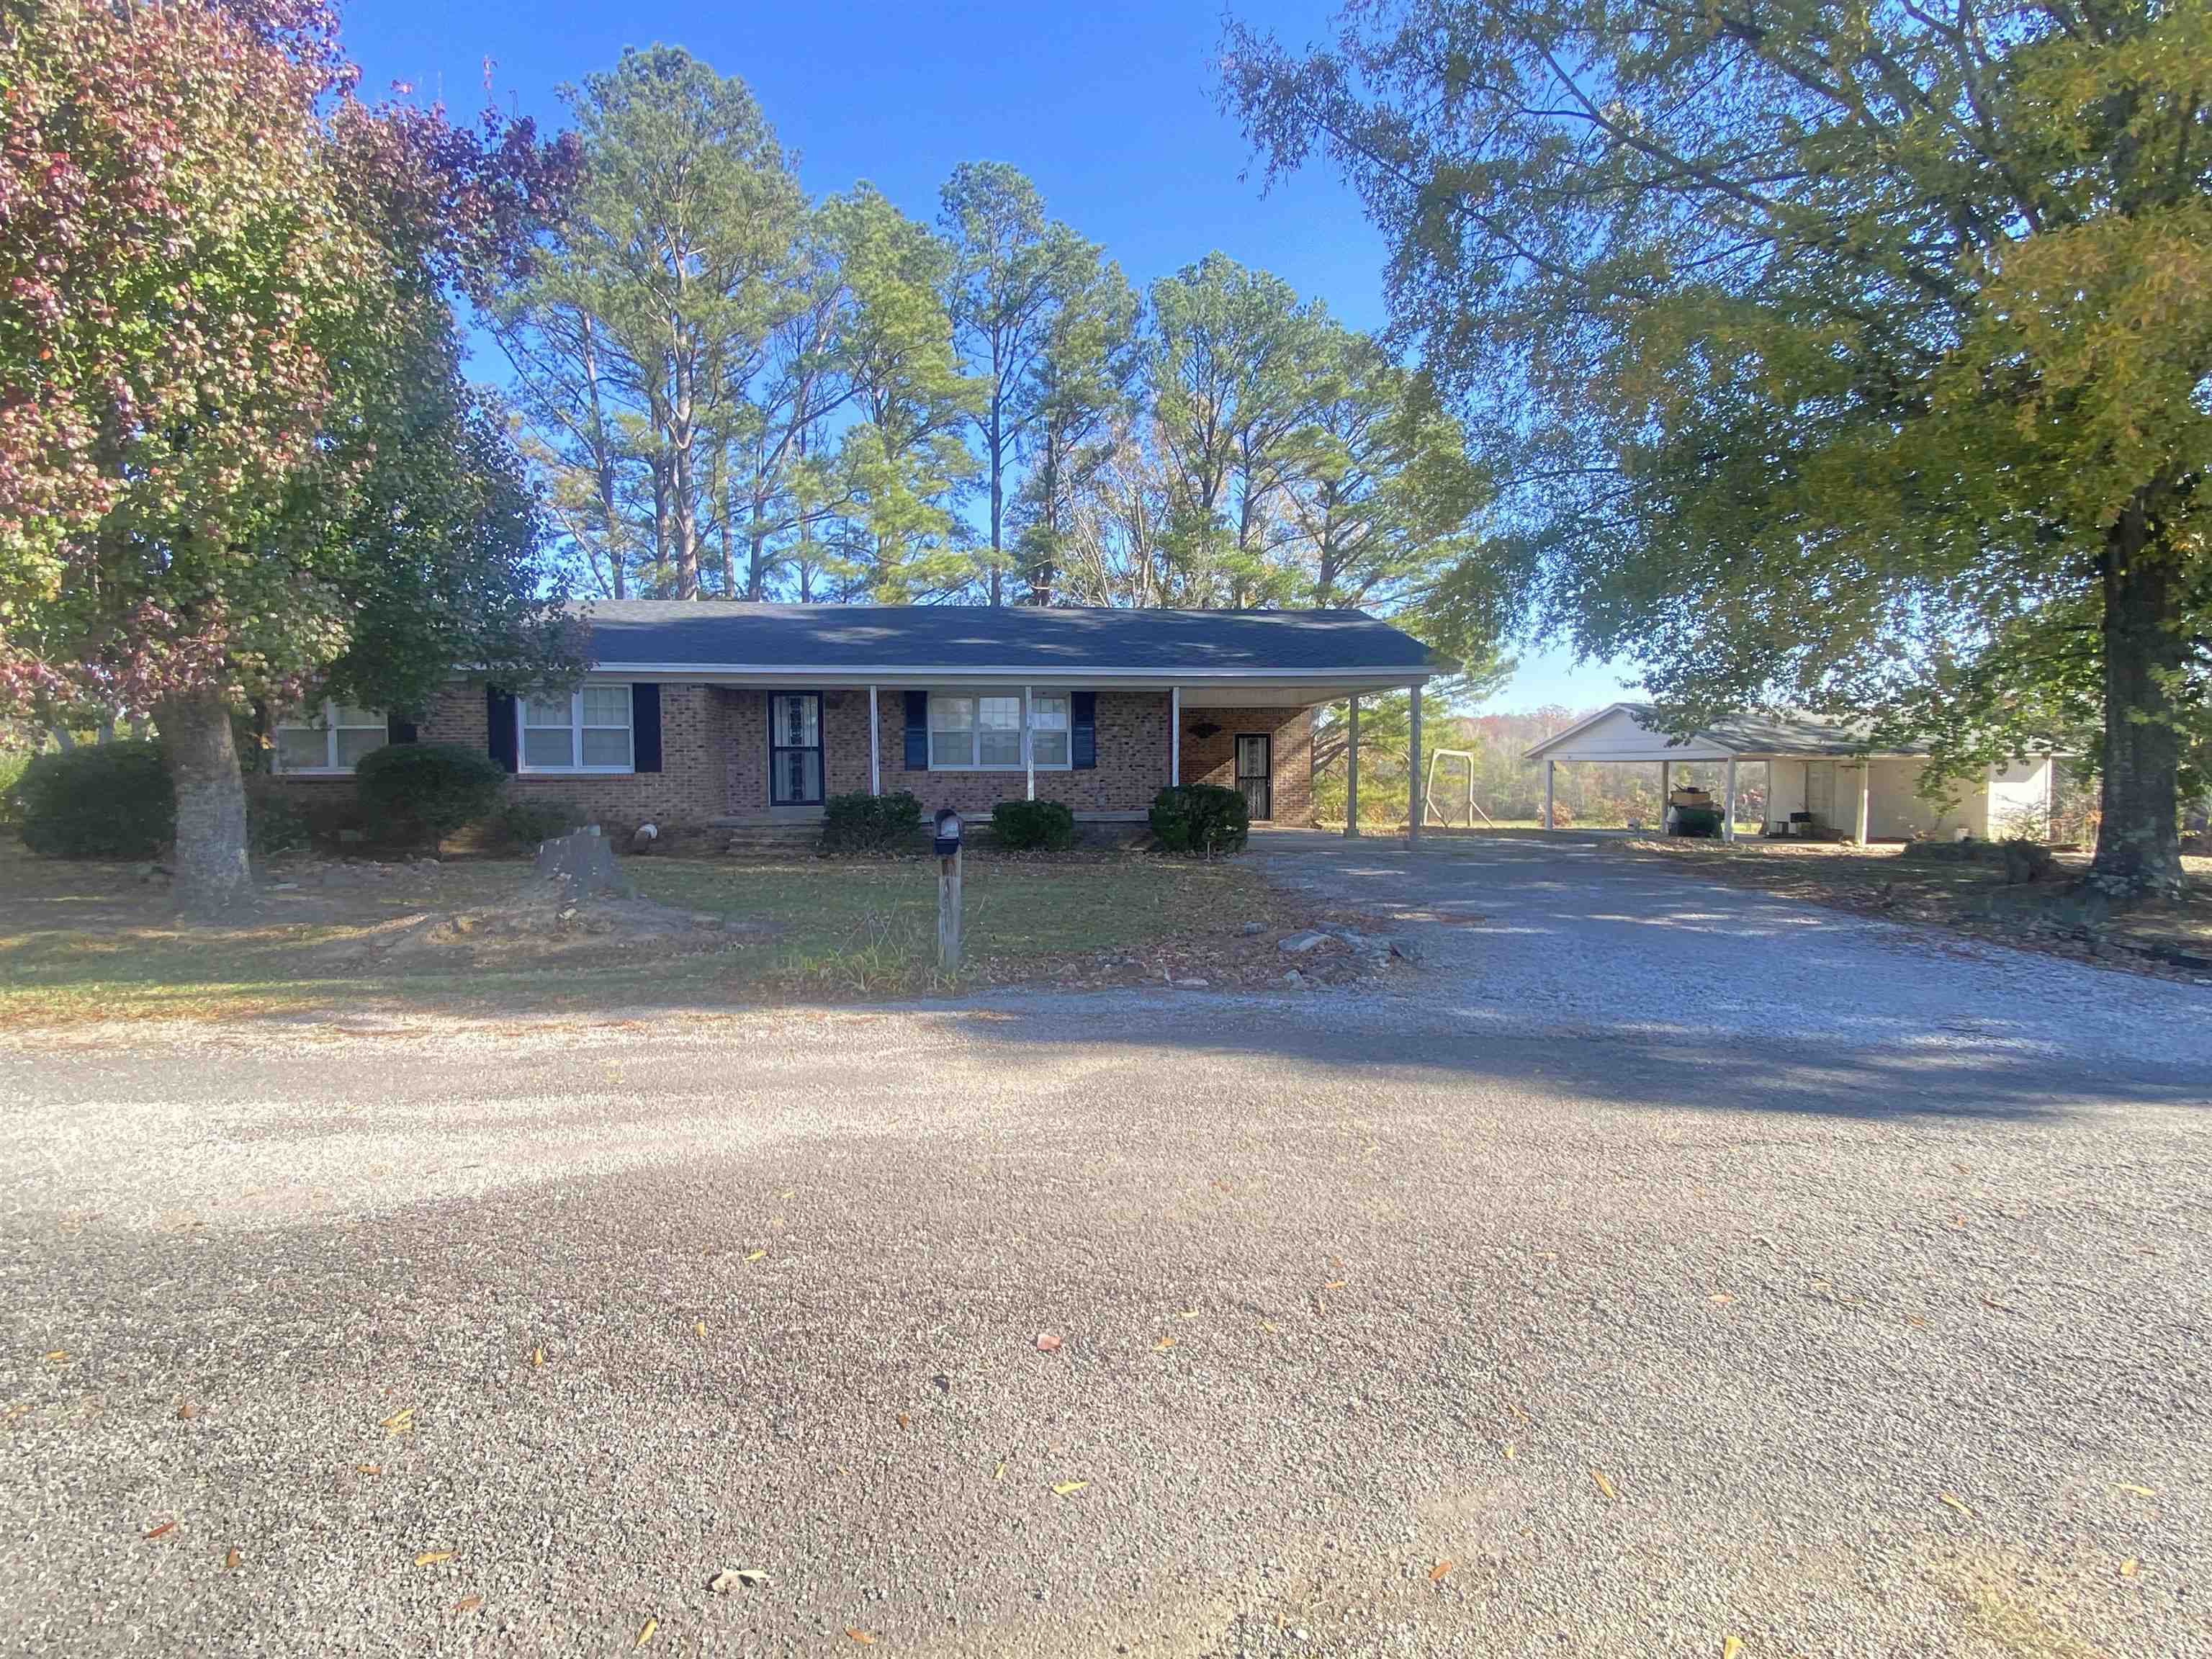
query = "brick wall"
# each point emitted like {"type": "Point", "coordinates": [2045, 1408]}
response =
{"type": "Point", "coordinates": [713, 757]}
{"type": "Point", "coordinates": [1213, 759]}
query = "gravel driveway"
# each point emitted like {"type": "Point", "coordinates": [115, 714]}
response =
{"type": "Point", "coordinates": [1660, 1264]}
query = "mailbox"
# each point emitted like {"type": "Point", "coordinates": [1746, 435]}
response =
{"type": "Point", "coordinates": [947, 833]}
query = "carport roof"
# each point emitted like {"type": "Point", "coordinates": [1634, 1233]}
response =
{"type": "Point", "coordinates": [1629, 731]}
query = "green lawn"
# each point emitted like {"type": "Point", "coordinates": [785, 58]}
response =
{"type": "Point", "coordinates": [83, 942]}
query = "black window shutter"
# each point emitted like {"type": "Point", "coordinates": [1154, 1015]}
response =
{"type": "Point", "coordinates": [917, 731]}
{"type": "Point", "coordinates": [398, 730]}
{"type": "Point", "coordinates": [1083, 735]}
{"type": "Point", "coordinates": [499, 720]}
{"type": "Point", "coordinates": [645, 728]}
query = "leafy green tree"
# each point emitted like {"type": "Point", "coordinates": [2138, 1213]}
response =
{"type": "Point", "coordinates": [1230, 377]}
{"type": "Point", "coordinates": [1014, 272]}
{"type": "Point", "coordinates": [898, 538]}
{"type": "Point", "coordinates": [218, 266]}
{"type": "Point", "coordinates": [1857, 356]}
{"type": "Point", "coordinates": [638, 331]}
{"type": "Point", "coordinates": [1082, 394]}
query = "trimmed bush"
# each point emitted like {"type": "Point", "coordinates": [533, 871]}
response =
{"type": "Point", "coordinates": [1201, 818]}
{"type": "Point", "coordinates": [1026, 824]}
{"type": "Point", "coordinates": [12, 763]}
{"type": "Point", "coordinates": [861, 823]}
{"type": "Point", "coordinates": [524, 823]}
{"type": "Point", "coordinates": [423, 792]}
{"type": "Point", "coordinates": [109, 800]}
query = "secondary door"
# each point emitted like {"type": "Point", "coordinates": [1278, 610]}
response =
{"type": "Point", "coordinates": [1255, 774]}
{"type": "Point", "coordinates": [794, 748]}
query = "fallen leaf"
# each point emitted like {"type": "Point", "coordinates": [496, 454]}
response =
{"type": "Point", "coordinates": [756, 1255]}
{"type": "Point", "coordinates": [860, 1636]}
{"type": "Point", "coordinates": [727, 1580]}
{"type": "Point", "coordinates": [400, 1422]}
{"type": "Point", "coordinates": [1266, 1324]}
{"type": "Point", "coordinates": [904, 1420]}
{"type": "Point", "coordinates": [1437, 1573]}
{"type": "Point", "coordinates": [166, 1527]}
{"type": "Point", "coordinates": [230, 1560]}
{"type": "Point", "coordinates": [1187, 1313]}
{"type": "Point", "coordinates": [1732, 1647]}
{"type": "Point", "coordinates": [1915, 1319]}
{"type": "Point", "coordinates": [645, 1633]}
{"type": "Point", "coordinates": [1960, 1168]}
{"type": "Point", "coordinates": [1163, 1345]}
{"type": "Point", "coordinates": [2130, 1567]}
{"type": "Point", "coordinates": [368, 1468]}
{"type": "Point", "coordinates": [538, 1356]}
{"type": "Point", "coordinates": [1319, 1305]}
{"type": "Point", "coordinates": [1333, 1284]}
{"type": "Point", "coordinates": [187, 1411]}
{"type": "Point", "coordinates": [59, 1355]}
{"type": "Point", "coordinates": [789, 1193]}
{"type": "Point", "coordinates": [1959, 1223]}
{"type": "Point", "coordinates": [1069, 1488]}
{"type": "Point", "coordinates": [1991, 1302]}
{"type": "Point", "coordinates": [1603, 1484]}
{"type": "Point", "coordinates": [431, 1558]}
{"type": "Point", "coordinates": [1946, 1498]}
{"type": "Point", "coordinates": [1722, 1298]}
{"type": "Point", "coordinates": [1511, 1452]}
{"type": "Point", "coordinates": [466, 1604]}
{"type": "Point", "coordinates": [1047, 1342]}
{"type": "Point", "coordinates": [2135, 1490]}
{"type": "Point", "coordinates": [999, 1474]}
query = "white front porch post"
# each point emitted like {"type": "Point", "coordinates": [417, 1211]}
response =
{"type": "Point", "coordinates": [1029, 751]}
{"type": "Point", "coordinates": [1859, 818]}
{"type": "Point", "coordinates": [1550, 778]}
{"type": "Point", "coordinates": [1352, 769]}
{"type": "Point", "coordinates": [1666, 788]}
{"type": "Point", "coordinates": [875, 747]}
{"type": "Point", "coordinates": [1414, 792]}
{"type": "Point", "coordinates": [1727, 810]}
{"type": "Point", "coordinates": [1174, 736]}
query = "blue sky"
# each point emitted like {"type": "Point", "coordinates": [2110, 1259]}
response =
{"type": "Point", "coordinates": [1110, 109]}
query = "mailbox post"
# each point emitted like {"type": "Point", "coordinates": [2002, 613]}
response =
{"type": "Point", "coordinates": [947, 838]}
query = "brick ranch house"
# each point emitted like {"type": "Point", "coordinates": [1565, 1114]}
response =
{"type": "Point", "coordinates": [721, 715]}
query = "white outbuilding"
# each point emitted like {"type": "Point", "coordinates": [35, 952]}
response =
{"type": "Point", "coordinates": [1820, 775]}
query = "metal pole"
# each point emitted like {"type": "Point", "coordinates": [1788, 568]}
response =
{"type": "Point", "coordinates": [1351, 772]}
{"type": "Point", "coordinates": [1728, 814]}
{"type": "Point", "coordinates": [948, 912]}
{"type": "Point", "coordinates": [1175, 737]}
{"type": "Point", "coordinates": [1028, 754]}
{"type": "Point", "coordinates": [1413, 792]}
{"type": "Point", "coordinates": [875, 747]}
{"type": "Point", "coordinates": [1551, 774]}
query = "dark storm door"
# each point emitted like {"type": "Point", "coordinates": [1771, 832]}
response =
{"type": "Point", "coordinates": [794, 748]}
{"type": "Point", "coordinates": [1255, 774]}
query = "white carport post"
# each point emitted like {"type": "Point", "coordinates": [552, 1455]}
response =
{"type": "Point", "coordinates": [1860, 816]}
{"type": "Point", "coordinates": [875, 747]}
{"type": "Point", "coordinates": [1174, 736]}
{"type": "Point", "coordinates": [1352, 769]}
{"type": "Point", "coordinates": [1413, 791]}
{"type": "Point", "coordinates": [1028, 751]}
{"type": "Point", "coordinates": [1665, 787]}
{"type": "Point", "coordinates": [1550, 778]}
{"type": "Point", "coordinates": [1727, 809]}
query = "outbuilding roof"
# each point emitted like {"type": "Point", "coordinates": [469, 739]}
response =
{"type": "Point", "coordinates": [1629, 731]}
{"type": "Point", "coordinates": [718, 637]}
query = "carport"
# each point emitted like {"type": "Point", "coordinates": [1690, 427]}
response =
{"type": "Point", "coordinates": [1625, 733]}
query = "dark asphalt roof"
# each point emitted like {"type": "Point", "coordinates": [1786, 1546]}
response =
{"type": "Point", "coordinates": [715, 634]}
{"type": "Point", "coordinates": [1796, 731]}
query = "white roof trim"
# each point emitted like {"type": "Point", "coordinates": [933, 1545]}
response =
{"type": "Point", "coordinates": [1074, 674]}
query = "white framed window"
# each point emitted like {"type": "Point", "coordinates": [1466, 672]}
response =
{"type": "Point", "coordinates": [586, 731]}
{"type": "Point", "coordinates": [982, 731]}
{"type": "Point", "coordinates": [331, 738]}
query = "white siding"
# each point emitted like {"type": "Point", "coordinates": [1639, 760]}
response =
{"type": "Point", "coordinates": [2019, 800]}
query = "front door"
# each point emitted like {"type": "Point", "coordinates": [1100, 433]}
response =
{"type": "Point", "coordinates": [794, 748]}
{"type": "Point", "coordinates": [1255, 774]}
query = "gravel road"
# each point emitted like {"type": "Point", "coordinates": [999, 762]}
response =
{"type": "Point", "coordinates": [1657, 1264]}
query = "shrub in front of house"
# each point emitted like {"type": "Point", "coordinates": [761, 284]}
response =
{"type": "Point", "coordinates": [522, 824]}
{"type": "Point", "coordinates": [420, 793]}
{"type": "Point", "coordinates": [1201, 818]}
{"type": "Point", "coordinates": [1026, 825]}
{"type": "Point", "coordinates": [109, 800]}
{"type": "Point", "coordinates": [861, 823]}
{"type": "Point", "coordinates": [275, 823]}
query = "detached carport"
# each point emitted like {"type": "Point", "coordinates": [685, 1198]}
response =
{"type": "Point", "coordinates": [1625, 734]}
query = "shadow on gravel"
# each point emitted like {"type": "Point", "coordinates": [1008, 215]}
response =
{"type": "Point", "coordinates": [1637, 1071]}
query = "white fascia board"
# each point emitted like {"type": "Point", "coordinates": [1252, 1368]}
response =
{"type": "Point", "coordinates": [1081, 675]}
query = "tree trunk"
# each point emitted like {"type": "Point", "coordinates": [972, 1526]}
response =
{"type": "Point", "coordinates": [2139, 840]}
{"type": "Point", "coordinates": [211, 875]}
